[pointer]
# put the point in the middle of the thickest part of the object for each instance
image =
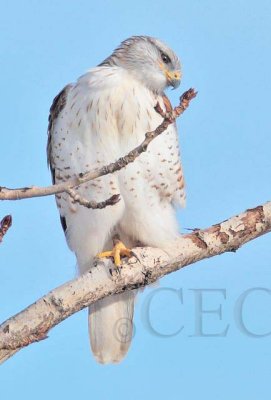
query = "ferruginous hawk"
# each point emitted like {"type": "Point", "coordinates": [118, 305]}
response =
{"type": "Point", "coordinates": [93, 122]}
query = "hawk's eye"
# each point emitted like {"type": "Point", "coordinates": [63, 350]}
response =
{"type": "Point", "coordinates": [165, 58]}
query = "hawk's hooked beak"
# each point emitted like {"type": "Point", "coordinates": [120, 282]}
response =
{"type": "Point", "coordinates": [174, 78]}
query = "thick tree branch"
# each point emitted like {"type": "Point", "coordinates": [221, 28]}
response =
{"type": "Point", "coordinates": [148, 265]}
{"type": "Point", "coordinates": [169, 117]}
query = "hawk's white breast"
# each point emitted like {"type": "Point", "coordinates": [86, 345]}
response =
{"type": "Point", "coordinates": [107, 114]}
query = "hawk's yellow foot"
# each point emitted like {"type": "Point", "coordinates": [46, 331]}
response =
{"type": "Point", "coordinates": [119, 250]}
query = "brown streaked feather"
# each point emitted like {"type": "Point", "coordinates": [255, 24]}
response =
{"type": "Point", "coordinates": [179, 170]}
{"type": "Point", "coordinates": [57, 106]}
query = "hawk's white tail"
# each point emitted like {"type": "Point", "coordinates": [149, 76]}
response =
{"type": "Point", "coordinates": [111, 327]}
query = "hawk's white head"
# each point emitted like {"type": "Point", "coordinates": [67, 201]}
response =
{"type": "Point", "coordinates": [148, 60]}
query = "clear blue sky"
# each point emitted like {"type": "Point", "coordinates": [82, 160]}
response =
{"type": "Point", "coordinates": [225, 48]}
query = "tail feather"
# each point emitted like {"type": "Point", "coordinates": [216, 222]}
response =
{"type": "Point", "coordinates": [111, 327]}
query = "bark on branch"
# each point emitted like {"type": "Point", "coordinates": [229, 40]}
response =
{"type": "Point", "coordinates": [148, 265]}
{"type": "Point", "coordinates": [5, 224]}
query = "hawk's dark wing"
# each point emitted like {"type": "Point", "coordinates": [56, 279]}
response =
{"type": "Point", "coordinates": [57, 106]}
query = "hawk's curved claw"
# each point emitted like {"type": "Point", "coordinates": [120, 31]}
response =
{"type": "Point", "coordinates": [119, 250]}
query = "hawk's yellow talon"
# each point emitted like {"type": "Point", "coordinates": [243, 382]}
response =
{"type": "Point", "coordinates": [104, 254]}
{"type": "Point", "coordinates": [119, 250]}
{"type": "Point", "coordinates": [126, 253]}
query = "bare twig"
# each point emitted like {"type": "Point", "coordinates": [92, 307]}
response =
{"type": "Point", "coordinates": [5, 224]}
{"type": "Point", "coordinates": [34, 191]}
{"type": "Point", "coordinates": [148, 265]}
{"type": "Point", "coordinates": [93, 204]}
